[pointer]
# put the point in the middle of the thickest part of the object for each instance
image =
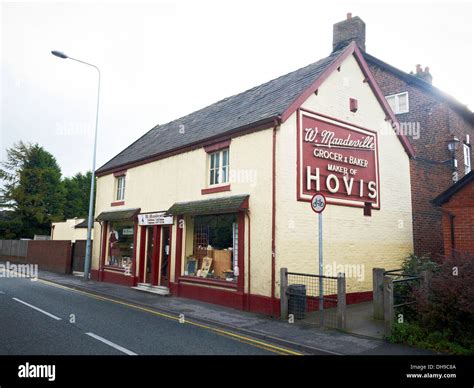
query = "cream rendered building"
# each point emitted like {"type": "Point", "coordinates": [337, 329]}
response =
{"type": "Point", "coordinates": [72, 229]}
{"type": "Point", "coordinates": [212, 205]}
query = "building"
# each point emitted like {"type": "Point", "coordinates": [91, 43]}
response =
{"type": "Point", "coordinates": [457, 205]}
{"type": "Point", "coordinates": [438, 127]}
{"type": "Point", "coordinates": [72, 229]}
{"type": "Point", "coordinates": [213, 204]}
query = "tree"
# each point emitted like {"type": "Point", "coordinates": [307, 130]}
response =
{"type": "Point", "coordinates": [32, 189]}
{"type": "Point", "coordinates": [77, 190]}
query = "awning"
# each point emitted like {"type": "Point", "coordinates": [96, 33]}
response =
{"type": "Point", "coordinates": [118, 215]}
{"type": "Point", "coordinates": [231, 204]}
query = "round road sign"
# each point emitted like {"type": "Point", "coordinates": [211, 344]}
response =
{"type": "Point", "coordinates": [318, 202]}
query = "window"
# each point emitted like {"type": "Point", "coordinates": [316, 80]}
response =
{"type": "Point", "coordinates": [219, 167]}
{"type": "Point", "coordinates": [120, 195]}
{"type": "Point", "coordinates": [212, 251]}
{"type": "Point", "coordinates": [398, 102]}
{"type": "Point", "coordinates": [120, 244]}
{"type": "Point", "coordinates": [467, 158]}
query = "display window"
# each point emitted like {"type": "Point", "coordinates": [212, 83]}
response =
{"type": "Point", "coordinates": [120, 240]}
{"type": "Point", "coordinates": [213, 251]}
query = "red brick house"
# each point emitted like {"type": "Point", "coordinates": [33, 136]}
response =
{"type": "Point", "coordinates": [438, 127]}
{"type": "Point", "coordinates": [457, 204]}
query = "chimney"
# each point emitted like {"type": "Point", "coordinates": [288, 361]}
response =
{"type": "Point", "coordinates": [425, 75]}
{"type": "Point", "coordinates": [351, 29]}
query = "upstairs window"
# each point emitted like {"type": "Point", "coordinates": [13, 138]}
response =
{"type": "Point", "coordinates": [219, 167]}
{"type": "Point", "coordinates": [398, 102]}
{"type": "Point", "coordinates": [120, 184]}
{"type": "Point", "coordinates": [467, 158]}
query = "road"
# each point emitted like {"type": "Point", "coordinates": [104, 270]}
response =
{"type": "Point", "coordinates": [41, 318]}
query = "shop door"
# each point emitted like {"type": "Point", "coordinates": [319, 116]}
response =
{"type": "Point", "coordinates": [165, 254]}
{"type": "Point", "coordinates": [149, 254]}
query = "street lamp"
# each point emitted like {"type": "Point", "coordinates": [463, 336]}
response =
{"type": "Point", "coordinates": [87, 260]}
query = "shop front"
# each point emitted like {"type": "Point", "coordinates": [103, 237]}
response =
{"type": "Point", "coordinates": [118, 248]}
{"type": "Point", "coordinates": [210, 244]}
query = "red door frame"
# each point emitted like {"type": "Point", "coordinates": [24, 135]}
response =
{"type": "Point", "coordinates": [168, 270]}
{"type": "Point", "coordinates": [141, 266]}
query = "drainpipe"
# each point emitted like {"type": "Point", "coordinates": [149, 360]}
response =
{"type": "Point", "coordinates": [249, 262]}
{"type": "Point", "coordinates": [275, 128]}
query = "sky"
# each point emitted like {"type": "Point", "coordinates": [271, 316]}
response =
{"type": "Point", "coordinates": [162, 60]}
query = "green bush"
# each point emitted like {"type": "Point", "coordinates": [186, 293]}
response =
{"type": "Point", "coordinates": [443, 317]}
{"type": "Point", "coordinates": [413, 334]}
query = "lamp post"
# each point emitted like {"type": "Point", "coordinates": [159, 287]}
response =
{"type": "Point", "coordinates": [87, 260]}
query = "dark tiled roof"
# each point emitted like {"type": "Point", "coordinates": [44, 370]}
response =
{"type": "Point", "coordinates": [83, 224]}
{"type": "Point", "coordinates": [446, 195]}
{"type": "Point", "coordinates": [209, 206]}
{"type": "Point", "coordinates": [126, 214]}
{"type": "Point", "coordinates": [255, 105]}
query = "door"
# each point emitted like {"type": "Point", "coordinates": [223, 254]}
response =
{"type": "Point", "coordinates": [149, 254]}
{"type": "Point", "coordinates": [165, 254]}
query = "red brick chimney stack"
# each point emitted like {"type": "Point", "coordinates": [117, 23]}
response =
{"type": "Point", "coordinates": [351, 29]}
{"type": "Point", "coordinates": [425, 75]}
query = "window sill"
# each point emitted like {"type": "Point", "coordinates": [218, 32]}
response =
{"type": "Point", "coordinates": [117, 203]}
{"type": "Point", "coordinates": [113, 268]}
{"type": "Point", "coordinates": [217, 189]}
{"type": "Point", "coordinates": [209, 282]}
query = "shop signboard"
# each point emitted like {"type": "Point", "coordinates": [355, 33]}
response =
{"type": "Point", "coordinates": [337, 159]}
{"type": "Point", "coordinates": [149, 219]}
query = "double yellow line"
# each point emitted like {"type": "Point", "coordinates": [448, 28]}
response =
{"type": "Point", "coordinates": [226, 333]}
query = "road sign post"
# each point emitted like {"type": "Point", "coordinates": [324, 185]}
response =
{"type": "Point", "coordinates": [318, 204]}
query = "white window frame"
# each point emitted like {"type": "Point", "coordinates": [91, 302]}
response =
{"type": "Point", "coordinates": [120, 188]}
{"type": "Point", "coordinates": [467, 158]}
{"type": "Point", "coordinates": [396, 97]}
{"type": "Point", "coordinates": [216, 172]}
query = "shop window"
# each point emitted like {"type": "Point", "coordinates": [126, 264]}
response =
{"type": "Point", "coordinates": [398, 102]}
{"type": "Point", "coordinates": [120, 240]}
{"type": "Point", "coordinates": [120, 185]}
{"type": "Point", "coordinates": [219, 167]}
{"type": "Point", "coordinates": [214, 248]}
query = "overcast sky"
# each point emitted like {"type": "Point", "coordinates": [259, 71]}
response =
{"type": "Point", "coordinates": [160, 61]}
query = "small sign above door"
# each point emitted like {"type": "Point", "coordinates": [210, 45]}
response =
{"type": "Point", "coordinates": [160, 218]}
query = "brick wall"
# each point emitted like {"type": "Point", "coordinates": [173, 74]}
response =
{"type": "Point", "coordinates": [438, 122]}
{"type": "Point", "coordinates": [50, 255]}
{"type": "Point", "coordinates": [459, 212]}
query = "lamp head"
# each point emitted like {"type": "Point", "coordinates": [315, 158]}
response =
{"type": "Point", "coordinates": [453, 144]}
{"type": "Point", "coordinates": [59, 54]}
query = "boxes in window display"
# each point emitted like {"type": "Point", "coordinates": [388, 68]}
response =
{"type": "Point", "coordinates": [222, 262]}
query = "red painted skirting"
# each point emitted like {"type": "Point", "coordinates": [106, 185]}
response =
{"type": "Point", "coordinates": [232, 299]}
{"type": "Point", "coordinates": [218, 189]}
{"type": "Point", "coordinates": [114, 277]}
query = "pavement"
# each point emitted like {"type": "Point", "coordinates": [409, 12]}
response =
{"type": "Point", "coordinates": [306, 339]}
{"type": "Point", "coordinates": [276, 334]}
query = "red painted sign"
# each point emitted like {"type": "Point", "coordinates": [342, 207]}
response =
{"type": "Point", "coordinates": [337, 159]}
